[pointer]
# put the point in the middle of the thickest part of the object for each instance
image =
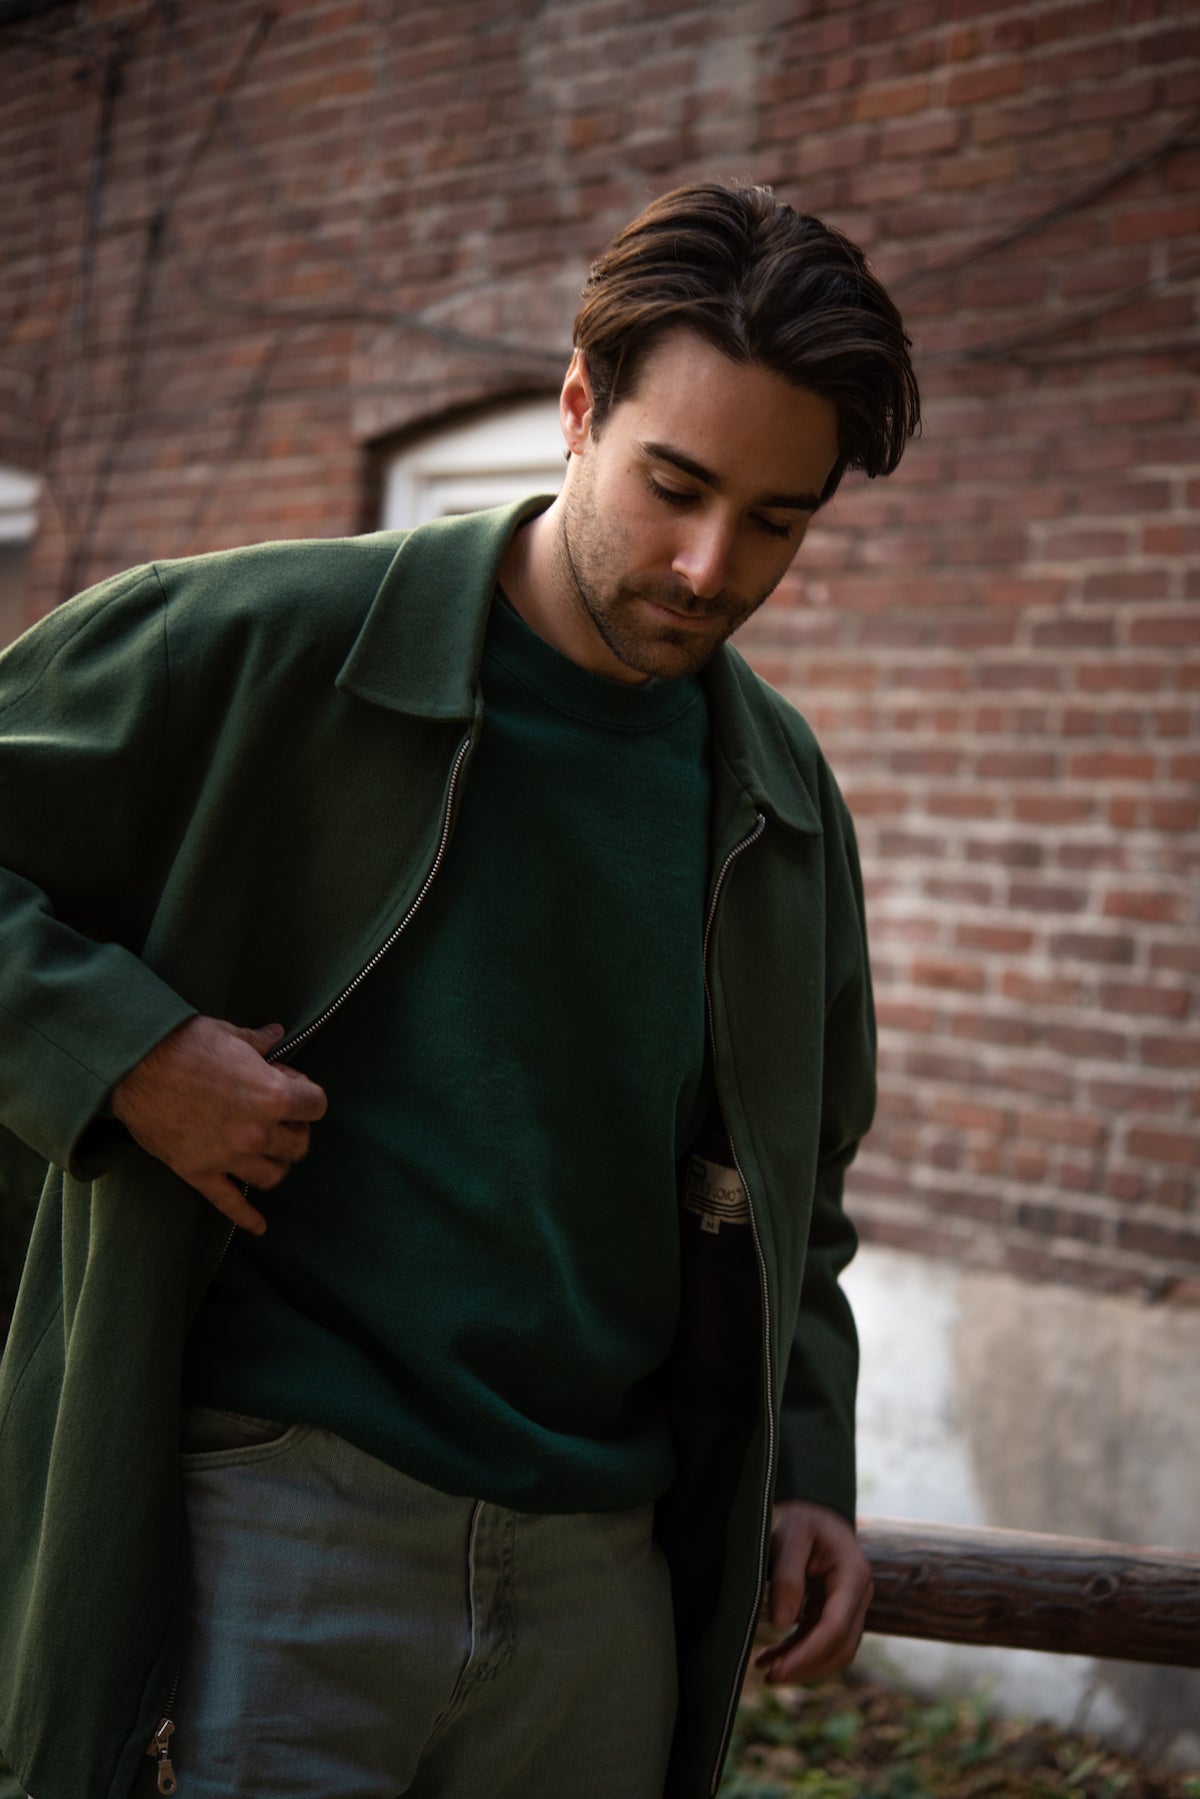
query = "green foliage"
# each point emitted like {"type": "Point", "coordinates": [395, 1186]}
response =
{"type": "Point", "coordinates": [21, 1173]}
{"type": "Point", "coordinates": [856, 1739]}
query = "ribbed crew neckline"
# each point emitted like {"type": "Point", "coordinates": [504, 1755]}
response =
{"type": "Point", "coordinates": [562, 683]}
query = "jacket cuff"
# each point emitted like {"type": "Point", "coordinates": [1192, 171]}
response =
{"type": "Point", "coordinates": [819, 1471]}
{"type": "Point", "coordinates": [58, 1088]}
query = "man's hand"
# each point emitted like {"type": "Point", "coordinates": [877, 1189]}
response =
{"type": "Point", "coordinates": [820, 1584]}
{"type": "Point", "coordinates": [207, 1103]}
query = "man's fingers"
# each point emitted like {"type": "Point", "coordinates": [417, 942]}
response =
{"type": "Point", "coordinates": [228, 1198]}
{"type": "Point", "coordinates": [786, 1604]}
{"type": "Point", "coordinates": [820, 1583]}
{"type": "Point", "coordinates": [263, 1172]}
{"type": "Point", "coordinates": [827, 1648]}
{"type": "Point", "coordinates": [274, 1092]}
{"type": "Point", "coordinates": [789, 1578]}
{"type": "Point", "coordinates": [298, 1097]}
{"type": "Point", "coordinates": [291, 1141]}
{"type": "Point", "coordinates": [209, 1105]}
{"type": "Point", "coordinates": [263, 1038]}
{"type": "Point", "coordinates": [266, 1139]}
{"type": "Point", "coordinates": [304, 1100]}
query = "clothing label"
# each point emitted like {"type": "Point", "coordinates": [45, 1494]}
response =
{"type": "Point", "coordinates": [715, 1193]}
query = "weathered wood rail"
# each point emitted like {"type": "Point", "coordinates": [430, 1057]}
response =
{"type": "Point", "coordinates": [1017, 1590]}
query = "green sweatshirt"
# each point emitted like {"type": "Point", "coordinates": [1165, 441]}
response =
{"type": "Point", "coordinates": [185, 824]}
{"type": "Point", "coordinates": [475, 1273]}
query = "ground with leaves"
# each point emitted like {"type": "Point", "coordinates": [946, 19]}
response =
{"type": "Point", "coordinates": [853, 1738]}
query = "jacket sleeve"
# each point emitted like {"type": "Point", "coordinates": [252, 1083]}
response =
{"type": "Point", "coordinates": [83, 702]}
{"type": "Point", "coordinates": [816, 1450]}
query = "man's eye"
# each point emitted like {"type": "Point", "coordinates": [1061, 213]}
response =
{"type": "Point", "coordinates": [774, 530]}
{"type": "Point", "coordinates": [670, 494]}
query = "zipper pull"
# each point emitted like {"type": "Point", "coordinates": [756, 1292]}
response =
{"type": "Point", "coordinates": [158, 1746]}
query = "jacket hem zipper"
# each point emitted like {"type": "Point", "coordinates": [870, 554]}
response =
{"type": "Point", "coordinates": [159, 1746]}
{"type": "Point", "coordinates": [764, 1289]}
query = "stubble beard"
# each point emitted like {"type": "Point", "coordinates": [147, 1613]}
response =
{"type": "Point", "coordinates": [651, 648]}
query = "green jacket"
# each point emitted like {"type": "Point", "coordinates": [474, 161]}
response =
{"type": "Point", "coordinates": [232, 775]}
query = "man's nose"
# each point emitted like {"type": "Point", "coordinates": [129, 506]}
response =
{"type": "Point", "coordinates": [703, 558]}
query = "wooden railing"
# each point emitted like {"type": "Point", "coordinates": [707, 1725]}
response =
{"type": "Point", "coordinates": [1016, 1590]}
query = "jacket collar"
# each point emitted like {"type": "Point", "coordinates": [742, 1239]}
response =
{"type": "Point", "coordinates": [766, 761]}
{"type": "Point", "coordinates": [421, 642]}
{"type": "Point", "coordinates": [421, 645]}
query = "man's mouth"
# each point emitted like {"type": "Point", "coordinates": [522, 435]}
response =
{"type": "Point", "coordinates": [690, 619]}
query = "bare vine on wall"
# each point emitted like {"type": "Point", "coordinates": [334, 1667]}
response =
{"type": "Point", "coordinates": [106, 54]}
{"type": "Point", "coordinates": [88, 396]}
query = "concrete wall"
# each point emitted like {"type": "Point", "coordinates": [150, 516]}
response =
{"type": "Point", "coordinates": [989, 1401]}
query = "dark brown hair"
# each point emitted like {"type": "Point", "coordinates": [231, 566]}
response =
{"type": "Point", "coordinates": [763, 284]}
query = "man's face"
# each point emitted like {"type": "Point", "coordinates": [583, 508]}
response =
{"type": "Point", "coordinates": [684, 511]}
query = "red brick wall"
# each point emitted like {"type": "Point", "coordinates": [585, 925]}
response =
{"type": "Point", "coordinates": [201, 294]}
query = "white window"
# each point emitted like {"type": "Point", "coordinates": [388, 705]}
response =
{"type": "Point", "coordinates": [18, 514]}
{"type": "Point", "coordinates": [487, 460]}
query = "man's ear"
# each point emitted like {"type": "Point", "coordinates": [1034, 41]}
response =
{"type": "Point", "coordinates": [575, 404]}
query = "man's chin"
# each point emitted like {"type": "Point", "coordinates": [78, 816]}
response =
{"type": "Point", "coordinates": [672, 653]}
{"type": "Point", "coordinates": [658, 641]}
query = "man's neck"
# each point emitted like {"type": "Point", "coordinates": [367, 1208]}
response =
{"type": "Point", "coordinates": [536, 577]}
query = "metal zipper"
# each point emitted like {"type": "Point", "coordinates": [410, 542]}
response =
{"type": "Point", "coordinates": [286, 1047]}
{"type": "Point", "coordinates": [768, 1384]}
{"type": "Point", "coordinates": [290, 1043]}
{"type": "Point", "coordinates": [159, 1742]}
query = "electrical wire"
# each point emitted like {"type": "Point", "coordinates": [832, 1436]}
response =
{"type": "Point", "coordinates": [355, 313]}
{"type": "Point", "coordinates": [111, 67]}
{"type": "Point", "coordinates": [941, 274]}
{"type": "Point", "coordinates": [1013, 343]}
{"type": "Point", "coordinates": [83, 534]}
{"type": "Point", "coordinates": [371, 310]}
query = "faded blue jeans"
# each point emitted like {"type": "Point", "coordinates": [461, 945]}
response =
{"type": "Point", "coordinates": [357, 1635]}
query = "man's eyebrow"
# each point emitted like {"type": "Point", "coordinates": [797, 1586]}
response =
{"type": "Point", "coordinates": [783, 502]}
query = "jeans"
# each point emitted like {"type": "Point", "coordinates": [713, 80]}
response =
{"type": "Point", "coordinates": [357, 1635]}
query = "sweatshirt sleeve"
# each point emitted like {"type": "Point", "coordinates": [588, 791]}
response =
{"type": "Point", "coordinates": [83, 706]}
{"type": "Point", "coordinates": [816, 1450]}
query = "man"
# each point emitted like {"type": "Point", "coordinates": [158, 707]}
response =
{"type": "Point", "coordinates": [484, 1411]}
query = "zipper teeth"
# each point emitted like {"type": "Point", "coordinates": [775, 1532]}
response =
{"type": "Point", "coordinates": [768, 1385]}
{"type": "Point", "coordinates": [290, 1043]}
{"type": "Point", "coordinates": [166, 1718]}
{"type": "Point", "coordinates": [302, 1037]}
{"type": "Point", "coordinates": [732, 857]}
{"type": "Point", "coordinates": [310, 1030]}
